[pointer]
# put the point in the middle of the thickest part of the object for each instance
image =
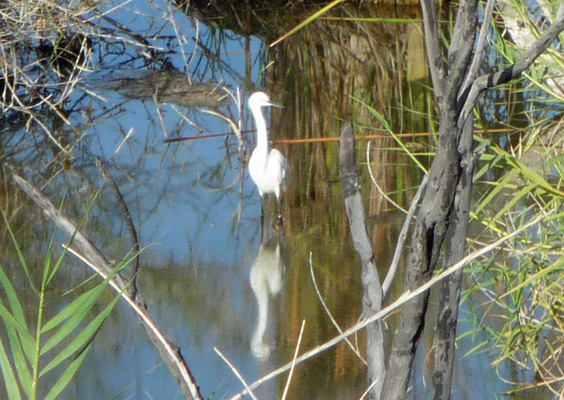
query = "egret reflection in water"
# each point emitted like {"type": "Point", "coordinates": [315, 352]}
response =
{"type": "Point", "coordinates": [267, 278]}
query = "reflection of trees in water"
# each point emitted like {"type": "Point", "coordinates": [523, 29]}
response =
{"type": "Point", "coordinates": [317, 70]}
{"type": "Point", "coordinates": [60, 115]}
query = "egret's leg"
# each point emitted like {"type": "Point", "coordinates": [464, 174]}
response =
{"type": "Point", "coordinates": [279, 210]}
{"type": "Point", "coordinates": [261, 211]}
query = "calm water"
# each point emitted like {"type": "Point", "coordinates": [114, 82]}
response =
{"type": "Point", "coordinates": [205, 276]}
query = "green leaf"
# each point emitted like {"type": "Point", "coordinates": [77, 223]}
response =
{"type": "Point", "coordinates": [27, 341]}
{"type": "Point", "coordinates": [503, 184]}
{"type": "Point", "coordinates": [533, 176]}
{"type": "Point", "coordinates": [19, 251]}
{"type": "Point", "coordinates": [388, 128]}
{"type": "Point", "coordinates": [10, 381]}
{"type": "Point", "coordinates": [13, 323]}
{"type": "Point", "coordinates": [20, 361]}
{"type": "Point", "coordinates": [74, 314]}
{"type": "Point", "coordinates": [81, 339]}
{"type": "Point", "coordinates": [67, 375]}
{"type": "Point", "coordinates": [15, 305]}
{"type": "Point", "coordinates": [308, 20]}
{"type": "Point", "coordinates": [513, 201]}
{"type": "Point", "coordinates": [476, 348]}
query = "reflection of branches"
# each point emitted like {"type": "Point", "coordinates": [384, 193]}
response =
{"type": "Point", "coordinates": [128, 220]}
{"type": "Point", "coordinates": [236, 127]}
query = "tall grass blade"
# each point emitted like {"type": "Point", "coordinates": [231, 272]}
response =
{"type": "Point", "coordinates": [81, 340]}
{"type": "Point", "coordinates": [13, 323]}
{"type": "Point", "coordinates": [20, 361]}
{"type": "Point", "coordinates": [308, 21]}
{"type": "Point", "coordinates": [389, 129]}
{"type": "Point", "coordinates": [66, 377]}
{"type": "Point", "coordinates": [533, 176]}
{"type": "Point", "coordinates": [74, 314]}
{"type": "Point", "coordinates": [503, 184]}
{"type": "Point", "coordinates": [515, 199]}
{"type": "Point", "coordinates": [10, 381]}
{"type": "Point", "coordinates": [18, 322]}
{"type": "Point", "coordinates": [18, 251]}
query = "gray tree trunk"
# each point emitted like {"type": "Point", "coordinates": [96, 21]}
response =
{"type": "Point", "coordinates": [372, 300]}
{"type": "Point", "coordinates": [446, 203]}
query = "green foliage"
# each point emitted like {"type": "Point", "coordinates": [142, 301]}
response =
{"type": "Point", "coordinates": [35, 350]}
{"type": "Point", "coordinates": [516, 293]}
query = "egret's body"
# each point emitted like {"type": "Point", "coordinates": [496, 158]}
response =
{"type": "Point", "coordinates": [268, 168]}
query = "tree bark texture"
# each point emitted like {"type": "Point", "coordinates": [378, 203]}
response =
{"type": "Point", "coordinates": [434, 214]}
{"type": "Point", "coordinates": [426, 243]}
{"type": "Point", "coordinates": [447, 320]}
{"type": "Point", "coordinates": [445, 207]}
{"type": "Point", "coordinates": [372, 299]}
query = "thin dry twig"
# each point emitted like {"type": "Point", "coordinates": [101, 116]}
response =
{"type": "Point", "coordinates": [125, 139]}
{"type": "Point", "coordinates": [367, 391]}
{"type": "Point", "coordinates": [94, 259]}
{"type": "Point", "coordinates": [335, 324]}
{"type": "Point", "coordinates": [402, 238]}
{"type": "Point", "coordinates": [148, 322]}
{"type": "Point", "coordinates": [235, 372]}
{"type": "Point", "coordinates": [294, 361]}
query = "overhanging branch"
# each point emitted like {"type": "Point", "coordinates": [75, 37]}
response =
{"type": "Point", "coordinates": [468, 99]}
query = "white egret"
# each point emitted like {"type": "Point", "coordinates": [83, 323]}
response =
{"type": "Point", "coordinates": [268, 168]}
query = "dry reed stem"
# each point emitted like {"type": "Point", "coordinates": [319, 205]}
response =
{"type": "Point", "coordinates": [148, 322]}
{"type": "Point", "coordinates": [382, 193]}
{"type": "Point", "coordinates": [293, 361]}
{"type": "Point", "coordinates": [367, 391]}
{"type": "Point", "coordinates": [336, 138]}
{"type": "Point", "coordinates": [236, 373]}
{"type": "Point", "coordinates": [335, 324]}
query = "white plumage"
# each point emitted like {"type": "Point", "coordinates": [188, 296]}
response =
{"type": "Point", "coordinates": [268, 168]}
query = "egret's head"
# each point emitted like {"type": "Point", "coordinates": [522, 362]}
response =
{"type": "Point", "coordinates": [260, 99]}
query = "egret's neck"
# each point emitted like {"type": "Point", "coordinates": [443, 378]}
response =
{"type": "Point", "coordinates": [262, 136]}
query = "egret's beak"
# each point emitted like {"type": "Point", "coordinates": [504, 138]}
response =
{"type": "Point", "coordinates": [270, 103]}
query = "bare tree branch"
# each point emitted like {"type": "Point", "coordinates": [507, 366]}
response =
{"type": "Point", "coordinates": [460, 50]}
{"type": "Point", "coordinates": [445, 337]}
{"type": "Point", "coordinates": [433, 45]}
{"type": "Point", "coordinates": [470, 96]}
{"type": "Point", "coordinates": [480, 46]}
{"type": "Point", "coordinates": [401, 300]}
{"type": "Point", "coordinates": [403, 237]}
